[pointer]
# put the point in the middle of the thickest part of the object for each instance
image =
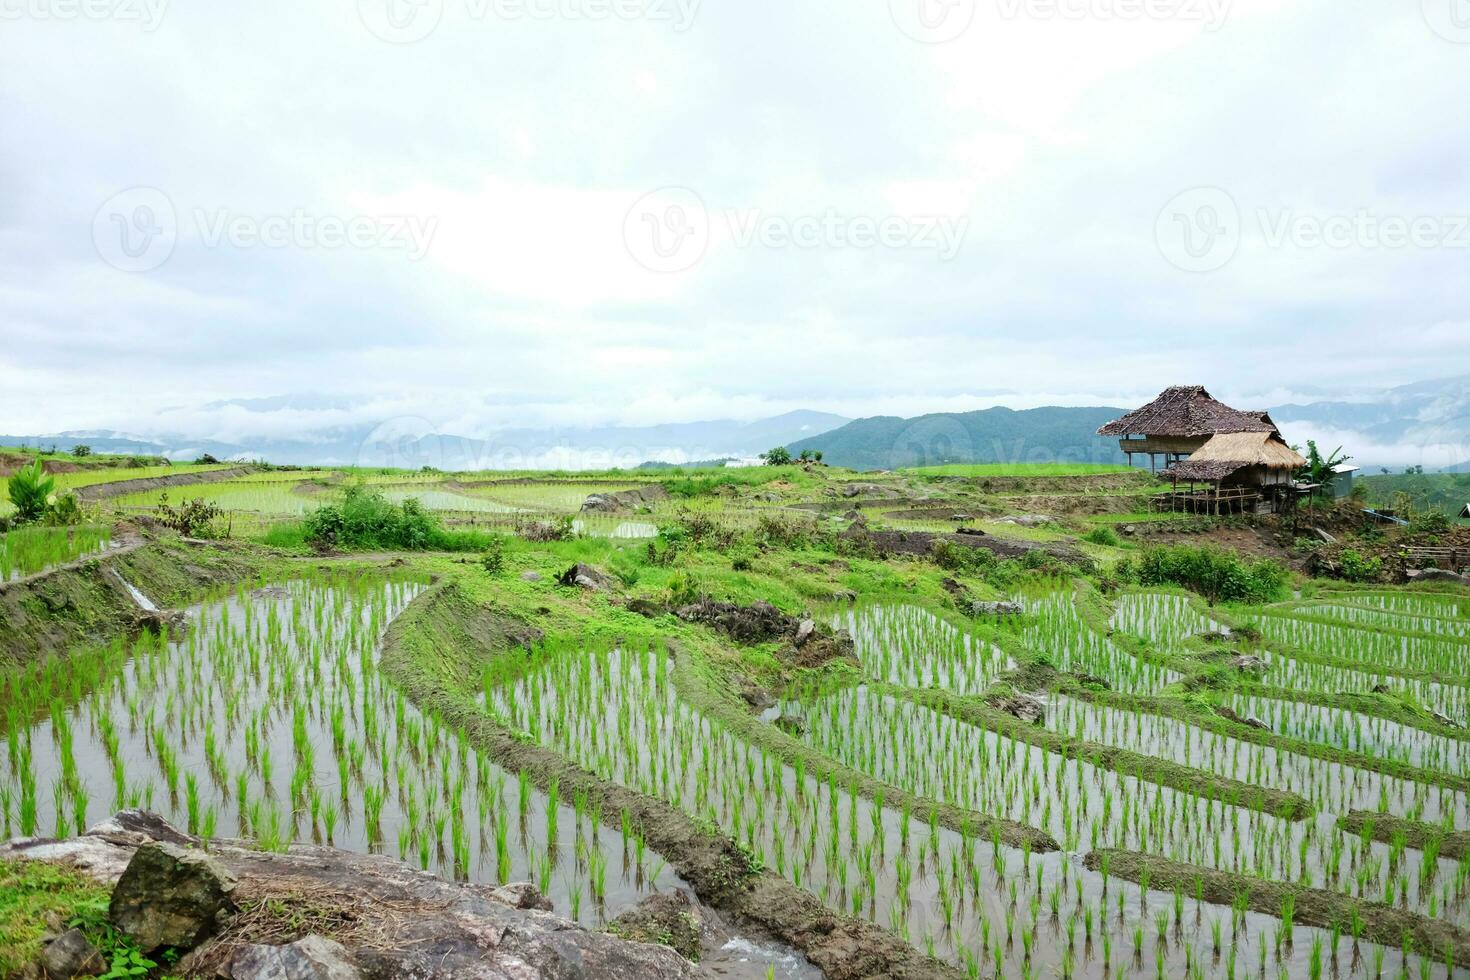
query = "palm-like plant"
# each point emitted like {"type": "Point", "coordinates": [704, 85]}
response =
{"type": "Point", "coordinates": [29, 487]}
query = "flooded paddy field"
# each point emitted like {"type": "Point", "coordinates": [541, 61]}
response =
{"type": "Point", "coordinates": [28, 550]}
{"type": "Point", "coordinates": [268, 719]}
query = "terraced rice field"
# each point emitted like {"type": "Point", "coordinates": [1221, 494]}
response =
{"type": "Point", "coordinates": [991, 909]}
{"type": "Point", "coordinates": [27, 550]}
{"type": "Point", "coordinates": [269, 719]}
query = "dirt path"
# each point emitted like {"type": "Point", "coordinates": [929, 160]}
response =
{"type": "Point", "coordinates": [103, 491]}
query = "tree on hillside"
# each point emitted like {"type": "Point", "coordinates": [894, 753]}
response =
{"type": "Point", "coordinates": [29, 488]}
{"type": "Point", "coordinates": [780, 456]}
{"type": "Point", "coordinates": [81, 450]}
{"type": "Point", "coordinates": [1319, 467]}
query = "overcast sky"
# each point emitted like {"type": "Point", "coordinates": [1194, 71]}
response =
{"type": "Point", "coordinates": [494, 212]}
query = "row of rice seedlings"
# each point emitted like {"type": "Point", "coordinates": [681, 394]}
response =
{"type": "Point", "coordinates": [1088, 807]}
{"type": "Point", "coordinates": [1331, 786]}
{"type": "Point", "coordinates": [1354, 731]}
{"type": "Point", "coordinates": [1058, 630]}
{"type": "Point", "coordinates": [279, 497]}
{"type": "Point", "coordinates": [1368, 616]}
{"type": "Point", "coordinates": [269, 720]}
{"type": "Point", "coordinates": [445, 500]}
{"type": "Point", "coordinates": [990, 909]}
{"type": "Point", "coordinates": [909, 645]}
{"type": "Point", "coordinates": [544, 497]}
{"type": "Point", "coordinates": [1443, 604]}
{"type": "Point", "coordinates": [1163, 618]}
{"type": "Point", "coordinates": [1451, 700]}
{"type": "Point", "coordinates": [26, 550]}
{"type": "Point", "coordinates": [1374, 649]}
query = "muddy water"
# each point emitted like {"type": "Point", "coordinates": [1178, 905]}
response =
{"type": "Point", "coordinates": [269, 720]}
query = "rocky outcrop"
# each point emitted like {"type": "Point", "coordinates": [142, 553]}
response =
{"type": "Point", "coordinates": [996, 609]}
{"type": "Point", "coordinates": [311, 958]}
{"type": "Point", "coordinates": [758, 622]}
{"type": "Point", "coordinates": [1022, 706]}
{"type": "Point", "coordinates": [317, 913]}
{"type": "Point", "coordinates": [1230, 714]}
{"type": "Point", "coordinates": [69, 955]}
{"type": "Point", "coordinates": [670, 920]}
{"type": "Point", "coordinates": [624, 500]}
{"type": "Point", "coordinates": [584, 576]}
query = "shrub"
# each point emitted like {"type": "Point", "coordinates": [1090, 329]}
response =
{"type": "Point", "coordinates": [193, 518]}
{"type": "Point", "coordinates": [366, 519]}
{"type": "Point", "coordinates": [1356, 567]}
{"type": "Point", "coordinates": [1430, 522]}
{"type": "Point", "coordinates": [557, 529]}
{"type": "Point", "coordinates": [1103, 536]}
{"type": "Point", "coordinates": [493, 560]}
{"type": "Point", "coordinates": [64, 510]}
{"type": "Point", "coordinates": [780, 456]}
{"type": "Point", "coordinates": [81, 450]}
{"type": "Point", "coordinates": [1216, 574]}
{"type": "Point", "coordinates": [29, 488]}
{"type": "Point", "coordinates": [960, 558]}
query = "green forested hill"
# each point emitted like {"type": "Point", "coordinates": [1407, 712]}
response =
{"type": "Point", "coordinates": [1002, 435]}
{"type": "Point", "coordinates": [1449, 492]}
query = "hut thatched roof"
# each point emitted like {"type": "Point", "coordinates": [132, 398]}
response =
{"type": "Point", "coordinates": [1187, 411]}
{"type": "Point", "coordinates": [1228, 452]}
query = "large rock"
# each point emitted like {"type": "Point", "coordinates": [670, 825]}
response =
{"type": "Point", "coordinates": [522, 895]}
{"type": "Point", "coordinates": [585, 577]}
{"type": "Point", "coordinates": [395, 921]}
{"type": "Point", "coordinates": [171, 896]}
{"type": "Point", "coordinates": [71, 955]}
{"type": "Point", "coordinates": [607, 503]}
{"type": "Point", "coordinates": [1230, 714]}
{"type": "Point", "coordinates": [311, 958]}
{"type": "Point", "coordinates": [1436, 575]}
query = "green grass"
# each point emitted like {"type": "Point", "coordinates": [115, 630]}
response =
{"type": "Point", "coordinates": [30, 891]}
{"type": "Point", "coordinates": [1025, 470]}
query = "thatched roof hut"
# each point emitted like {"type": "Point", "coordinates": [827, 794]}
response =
{"type": "Point", "coordinates": [1186, 412]}
{"type": "Point", "coordinates": [1258, 458]}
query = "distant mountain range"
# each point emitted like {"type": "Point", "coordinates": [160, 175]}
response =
{"type": "Point", "coordinates": [1426, 424]}
{"type": "Point", "coordinates": [413, 443]}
